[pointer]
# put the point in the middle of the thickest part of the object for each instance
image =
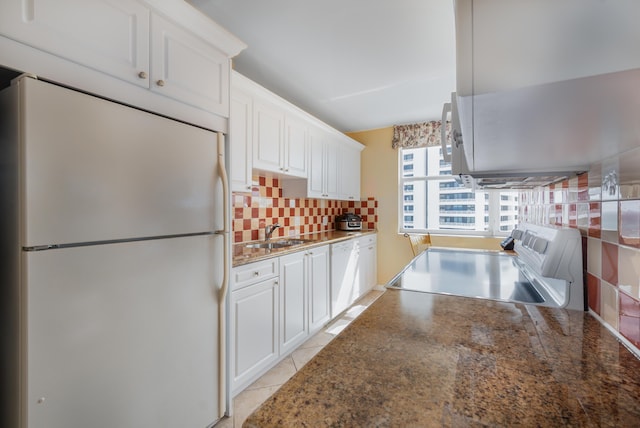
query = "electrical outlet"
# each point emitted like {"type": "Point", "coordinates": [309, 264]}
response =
{"type": "Point", "coordinates": [325, 220]}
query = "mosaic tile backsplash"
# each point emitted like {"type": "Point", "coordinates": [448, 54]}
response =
{"type": "Point", "coordinates": [605, 206]}
{"type": "Point", "coordinates": [265, 205]}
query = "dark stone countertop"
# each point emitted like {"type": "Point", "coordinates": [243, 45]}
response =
{"type": "Point", "coordinates": [420, 360]}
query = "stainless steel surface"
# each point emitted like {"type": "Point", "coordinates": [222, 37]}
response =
{"type": "Point", "coordinates": [277, 244]}
{"type": "Point", "coordinates": [348, 221]}
{"type": "Point", "coordinates": [349, 225]}
{"type": "Point", "coordinates": [481, 274]}
{"type": "Point", "coordinates": [268, 230]}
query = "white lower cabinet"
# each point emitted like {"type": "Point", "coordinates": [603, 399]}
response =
{"type": "Point", "coordinates": [275, 305]}
{"type": "Point", "coordinates": [318, 266]}
{"type": "Point", "coordinates": [368, 263]}
{"type": "Point", "coordinates": [254, 318]}
{"type": "Point", "coordinates": [293, 299]}
{"type": "Point", "coordinates": [254, 339]}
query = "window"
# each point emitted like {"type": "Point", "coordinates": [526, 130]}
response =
{"type": "Point", "coordinates": [431, 200]}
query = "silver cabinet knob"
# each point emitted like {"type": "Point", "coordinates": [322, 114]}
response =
{"type": "Point", "coordinates": [256, 273]}
{"type": "Point", "coordinates": [160, 83]}
{"type": "Point", "coordinates": [142, 75]}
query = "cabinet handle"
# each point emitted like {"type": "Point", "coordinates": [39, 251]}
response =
{"type": "Point", "coordinates": [248, 187]}
{"type": "Point", "coordinates": [275, 282]}
{"type": "Point", "coordinates": [160, 83]}
{"type": "Point", "coordinates": [286, 170]}
{"type": "Point", "coordinates": [256, 273]}
{"type": "Point", "coordinates": [142, 75]}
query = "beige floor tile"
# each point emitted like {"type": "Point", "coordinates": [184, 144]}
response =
{"type": "Point", "coordinates": [319, 339]}
{"type": "Point", "coordinates": [370, 297]}
{"type": "Point", "coordinates": [248, 401]}
{"type": "Point", "coordinates": [337, 326]}
{"type": "Point", "coordinates": [278, 375]}
{"type": "Point", "coordinates": [302, 356]}
{"type": "Point", "coordinates": [225, 423]}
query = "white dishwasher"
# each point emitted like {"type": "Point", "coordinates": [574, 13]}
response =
{"type": "Point", "coordinates": [345, 275]}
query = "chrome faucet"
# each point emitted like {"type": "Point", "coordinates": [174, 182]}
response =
{"type": "Point", "coordinates": [268, 230]}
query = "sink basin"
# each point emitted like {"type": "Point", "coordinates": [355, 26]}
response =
{"type": "Point", "coordinates": [277, 244]}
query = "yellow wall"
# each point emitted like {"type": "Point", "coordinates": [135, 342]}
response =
{"type": "Point", "coordinates": [379, 178]}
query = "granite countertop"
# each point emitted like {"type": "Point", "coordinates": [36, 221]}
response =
{"type": "Point", "coordinates": [243, 255]}
{"type": "Point", "coordinates": [419, 360]}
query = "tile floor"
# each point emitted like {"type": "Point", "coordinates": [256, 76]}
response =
{"type": "Point", "coordinates": [250, 399]}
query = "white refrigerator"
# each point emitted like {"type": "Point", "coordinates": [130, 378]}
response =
{"type": "Point", "coordinates": [113, 264]}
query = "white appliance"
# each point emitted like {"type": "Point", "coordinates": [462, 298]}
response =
{"type": "Point", "coordinates": [345, 275]}
{"type": "Point", "coordinates": [113, 264]}
{"type": "Point", "coordinates": [543, 90]}
{"type": "Point", "coordinates": [551, 258]}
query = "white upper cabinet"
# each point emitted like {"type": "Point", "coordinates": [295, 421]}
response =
{"type": "Point", "coordinates": [349, 173]}
{"type": "Point", "coordinates": [185, 58]}
{"type": "Point", "coordinates": [186, 68]}
{"type": "Point", "coordinates": [111, 36]}
{"type": "Point", "coordinates": [241, 141]}
{"type": "Point", "coordinates": [279, 140]}
{"type": "Point", "coordinates": [295, 146]}
{"type": "Point", "coordinates": [322, 180]}
{"type": "Point", "coordinates": [268, 136]}
{"type": "Point", "coordinates": [314, 160]}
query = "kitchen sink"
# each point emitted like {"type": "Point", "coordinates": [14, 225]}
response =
{"type": "Point", "coordinates": [277, 244]}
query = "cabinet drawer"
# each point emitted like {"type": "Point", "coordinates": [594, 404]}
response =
{"type": "Point", "coordinates": [254, 272]}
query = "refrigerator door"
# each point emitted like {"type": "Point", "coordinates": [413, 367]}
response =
{"type": "Point", "coordinates": [122, 335]}
{"type": "Point", "coordinates": [95, 170]}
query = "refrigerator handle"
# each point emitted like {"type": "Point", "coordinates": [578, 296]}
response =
{"type": "Point", "coordinates": [225, 278]}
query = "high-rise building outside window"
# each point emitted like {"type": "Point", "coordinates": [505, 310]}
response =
{"type": "Point", "coordinates": [438, 203]}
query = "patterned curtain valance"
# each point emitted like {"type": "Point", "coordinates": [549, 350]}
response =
{"type": "Point", "coordinates": [424, 134]}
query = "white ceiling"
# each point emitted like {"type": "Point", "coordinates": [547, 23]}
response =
{"type": "Point", "coordinates": [355, 64]}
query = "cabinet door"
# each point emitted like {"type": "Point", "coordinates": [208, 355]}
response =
{"type": "Point", "coordinates": [315, 180]}
{"type": "Point", "coordinates": [186, 68]}
{"type": "Point", "coordinates": [331, 171]}
{"type": "Point", "coordinates": [254, 318]}
{"type": "Point", "coordinates": [295, 149]}
{"type": "Point", "coordinates": [268, 137]}
{"type": "Point", "coordinates": [319, 287]}
{"type": "Point", "coordinates": [111, 36]}
{"type": "Point", "coordinates": [368, 269]}
{"type": "Point", "coordinates": [349, 173]}
{"type": "Point", "coordinates": [240, 145]}
{"type": "Point", "coordinates": [293, 300]}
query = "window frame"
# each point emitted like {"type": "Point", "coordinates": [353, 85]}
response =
{"type": "Point", "coordinates": [493, 201]}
